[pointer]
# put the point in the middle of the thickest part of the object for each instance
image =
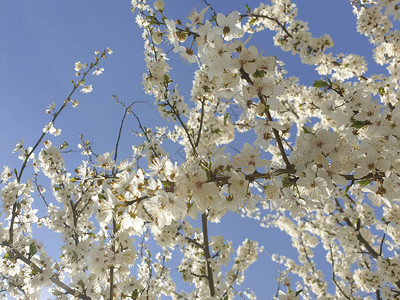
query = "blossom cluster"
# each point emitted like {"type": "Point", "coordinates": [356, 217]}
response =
{"type": "Point", "coordinates": [322, 166]}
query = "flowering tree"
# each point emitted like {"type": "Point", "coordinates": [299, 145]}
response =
{"type": "Point", "coordinates": [332, 182]}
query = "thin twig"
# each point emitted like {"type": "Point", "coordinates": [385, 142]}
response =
{"type": "Point", "coordinates": [283, 27]}
{"type": "Point", "coordinates": [334, 274]}
{"type": "Point", "coordinates": [38, 189]}
{"type": "Point", "coordinates": [127, 110]}
{"type": "Point", "coordinates": [177, 115]}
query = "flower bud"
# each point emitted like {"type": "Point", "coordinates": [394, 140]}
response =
{"type": "Point", "coordinates": [157, 37]}
{"type": "Point", "coordinates": [159, 5]}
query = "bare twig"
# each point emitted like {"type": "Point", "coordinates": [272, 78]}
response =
{"type": "Point", "coordinates": [39, 190]}
{"type": "Point", "coordinates": [127, 110]}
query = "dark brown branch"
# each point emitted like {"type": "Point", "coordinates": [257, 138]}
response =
{"type": "Point", "coordinates": [359, 236]}
{"type": "Point", "coordinates": [195, 243]}
{"type": "Point", "coordinates": [269, 118]}
{"type": "Point", "coordinates": [381, 246]}
{"type": "Point", "coordinates": [279, 141]}
{"type": "Point", "coordinates": [201, 124]}
{"type": "Point", "coordinates": [378, 294]}
{"type": "Point", "coordinates": [207, 255]}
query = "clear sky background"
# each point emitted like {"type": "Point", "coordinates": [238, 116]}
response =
{"type": "Point", "coordinates": [41, 40]}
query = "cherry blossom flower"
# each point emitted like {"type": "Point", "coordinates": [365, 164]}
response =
{"type": "Point", "coordinates": [229, 26]}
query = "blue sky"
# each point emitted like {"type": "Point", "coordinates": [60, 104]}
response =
{"type": "Point", "coordinates": [41, 41]}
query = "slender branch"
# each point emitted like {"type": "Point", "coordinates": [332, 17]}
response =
{"type": "Point", "coordinates": [381, 246]}
{"type": "Point", "coordinates": [144, 132]}
{"type": "Point", "coordinates": [75, 219]}
{"type": "Point", "coordinates": [38, 189]}
{"type": "Point", "coordinates": [212, 9]}
{"type": "Point", "coordinates": [283, 27]}
{"type": "Point", "coordinates": [195, 243]}
{"type": "Point", "coordinates": [378, 294]}
{"type": "Point", "coordinates": [269, 117]}
{"type": "Point", "coordinates": [29, 153]}
{"type": "Point", "coordinates": [334, 274]}
{"type": "Point", "coordinates": [359, 236]}
{"type": "Point", "coordinates": [112, 267]}
{"type": "Point", "coordinates": [176, 114]}
{"type": "Point", "coordinates": [127, 110]}
{"type": "Point", "coordinates": [278, 140]}
{"type": "Point", "coordinates": [53, 278]}
{"type": "Point", "coordinates": [207, 255]}
{"type": "Point", "coordinates": [201, 124]}
{"type": "Point", "coordinates": [371, 251]}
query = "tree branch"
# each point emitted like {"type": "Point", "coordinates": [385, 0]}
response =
{"type": "Point", "coordinates": [283, 27]}
{"type": "Point", "coordinates": [201, 124]}
{"type": "Point", "coordinates": [53, 278]}
{"type": "Point", "coordinates": [28, 154]}
{"type": "Point", "coordinates": [207, 255]}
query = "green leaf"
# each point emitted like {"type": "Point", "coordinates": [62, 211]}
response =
{"type": "Point", "coordinates": [101, 196]}
{"type": "Point", "coordinates": [226, 117]}
{"type": "Point", "coordinates": [358, 124]}
{"type": "Point", "coordinates": [259, 73]}
{"type": "Point", "coordinates": [167, 80]}
{"type": "Point", "coordinates": [64, 145]}
{"type": "Point", "coordinates": [364, 182]}
{"type": "Point", "coordinates": [216, 131]}
{"type": "Point", "coordinates": [75, 255]}
{"type": "Point", "coordinates": [9, 255]}
{"type": "Point", "coordinates": [248, 9]}
{"type": "Point", "coordinates": [57, 293]}
{"type": "Point", "coordinates": [286, 183]}
{"type": "Point", "coordinates": [306, 130]}
{"type": "Point", "coordinates": [135, 294]}
{"type": "Point", "coordinates": [298, 292]}
{"type": "Point", "coordinates": [381, 91]}
{"type": "Point", "coordinates": [32, 249]}
{"type": "Point", "coordinates": [35, 270]}
{"type": "Point", "coordinates": [321, 84]}
{"type": "Point", "coordinates": [82, 284]}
